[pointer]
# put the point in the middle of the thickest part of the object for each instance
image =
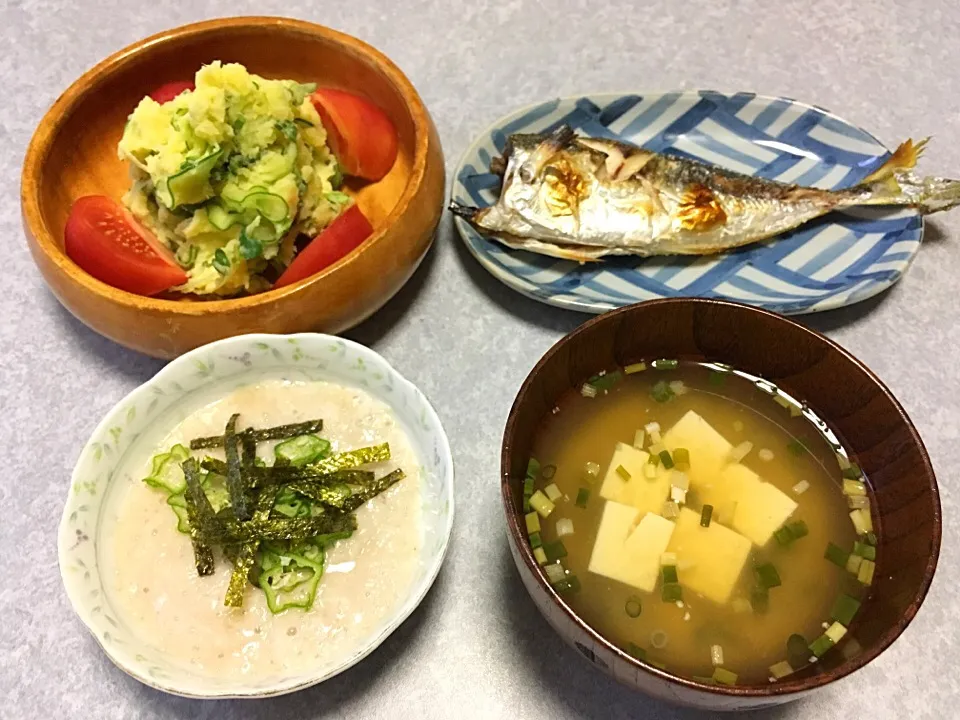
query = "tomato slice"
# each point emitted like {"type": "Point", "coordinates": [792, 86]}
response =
{"type": "Point", "coordinates": [360, 133]}
{"type": "Point", "coordinates": [341, 236]}
{"type": "Point", "coordinates": [107, 242]}
{"type": "Point", "coordinates": [169, 91]}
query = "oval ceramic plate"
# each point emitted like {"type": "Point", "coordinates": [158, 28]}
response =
{"type": "Point", "coordinates": [834, 261]}
{"type": "Point", "coordinates": [143, 417]}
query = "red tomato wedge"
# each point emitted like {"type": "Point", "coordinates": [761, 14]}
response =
{"type": "Point", "coordinates": [360, 133]}
{"type": "Point", "coordinates": [341, 236]}
{"type": "Point", "coordinates": [168, 92]}
{"type": "Point", "coordinates": [105, 240]}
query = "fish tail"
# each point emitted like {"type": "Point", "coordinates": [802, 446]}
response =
{"type": "Point", "coordinates": [903, 158]}
{"type": "Point", "coordinates": [928, 194]}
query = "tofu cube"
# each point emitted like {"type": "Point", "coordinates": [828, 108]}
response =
{"type": "Point", "coordinates": [709, 452]}
{"type": "Point", "coordinates": [761, 508]}
{"type": "Point", "coordinates": [709, 559]}
{"type": "Point", "coordinates": [627, 553]}
{"type": "Point", "coordinates": [645, 494]}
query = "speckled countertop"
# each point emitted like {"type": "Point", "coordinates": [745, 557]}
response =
{"type": "Point", "coordinates": [477, 647]}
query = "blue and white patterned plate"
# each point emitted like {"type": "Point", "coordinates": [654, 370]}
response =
{"type": "Point", "coordinates": [834, 261]}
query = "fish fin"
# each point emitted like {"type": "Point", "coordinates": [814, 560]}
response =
{"type": "Point", "coordinates": [699, 209]}
{"type": "Point", "coordinates": [904, 158]}
{"type": "Point", "coordinates": [578, 253]}
{"type": "Point", "coordinates": [465, 211]}
{"type": "Point", "coordinates": [548, 147]}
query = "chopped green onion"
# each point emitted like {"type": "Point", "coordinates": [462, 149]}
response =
{"type": "Point", "coordinates": [681, 459]}
{"type": "Point", "coordinates": [705, 514]}
{"type": "Point", "coordinates": [871, 539]}
{"type": "Point", "coordinates": [555, 572]}
{"type": "Point", "coordinates": [724, 676]}
{"type": "Point", "coordinates": [564, 527]}
{"type": "Point", "coordinates": [854, 487]}
{"type": "Point", "coordinates": [717, 378]}
{"type": "Point", "coordinates": [781, 401]}
{"type": "Point", "coordinates": [583, 495]}
{"type": "Point", "coordinates": [555, 550]}
{"type": "Point", "coordinates": [666, 459]}
{"type": "Point", "coordinates": [668, 574]}
{"type": "Point", "coordinates": [862, 522]}
{"type": "Point", "coordinates": [540, 556]}
{"type": "Point", "coordinates": [552, 492]}
{"type": "Point", "coordinates": [798, 528]}
{"type": "Point", "coordinates": [527, 492]}
{"type": "Point", "coordinates": [635, 368]}
{"type": "Point", "coordinates": [703, 680]}
{"type": "Point", "coordinates": [548, 472]}
{"type": "Point", "coordinates": [636, 652]}
{"type": "Point", "coordinates": [820, 646]}
{"type": "Point", "coordinates": [591, 472]}
{"type": "Point", "coordinates": [798, 650]}
{"type": "Point", "coordinates": [852, 473]}
{"type": "Point", "coordinates": [536, 540]}
{"type": "Point", "coordinates": [741, 451]}
{"type": "Point", "coordinates": [605, 381]}
{"type": "Point", "coordinates": [541, 503]}
{"type": "Point", "coordinates": [622, 472]}
{"type": "Point", "coordinates": [767, 575]}
{"type": "Point", "coordinates": [844, 609]}
{"type": "Point", "coordinates": [716, 655]}
{"type": "Point", "coordinates": [588, 390]}
{"type": "Point", "coordinates": [760, 599]}
{"type": "Point", "coordinates": [781, 669]}
{"type": "Point", "coordinates": [671, 592]}
{"type": "Point", "coordinates": [801, 487]}
{"type": "Point", "coordinates": [865, 550]}
{"type": "Point", "coordinates": [661, 392]}
{"type": "Point", "coordinates": [638, 437]}
{"type": "Point", "coordinates": [836, 632]}
{"type": "Point", "coordinates": [796, 447]}
{"type": "Point", "coordinates": [858, 502]}
{"type": "Point", "coordinates": [633, 607]}
{"type": "Point", "coordinates": [867, 569]}
{"type": "Point", "coordinates": [795, 411]}
{"type": "Point", "coordinates": [678, 387]}
{"type": "Point", "coordinates": [666, 364]}
{"type": "Point", "coordinates": [784, 536]}
{"type": "Point", "coordinates": [668, 558]}
{"type": "Point", "coordinates": [853, 564]}
{"type": "Point", "coordinates": [533, 468]}
{"type": "Point", "coordinates": [533, 522]}
{"type": "Point", "coordinates": [570, 584]}
{"type": "Point", "coordinates": [837, 555]}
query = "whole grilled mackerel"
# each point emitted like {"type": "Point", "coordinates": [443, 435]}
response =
{"type": "Point", "coordinates": [584, 198]}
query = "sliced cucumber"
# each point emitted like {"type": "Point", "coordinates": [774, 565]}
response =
{"type": "Point", "coordinates": [221, 218]}
{"type": "Point", "coordinates": [192, 183]}
{"type": "Point", "coordinates": [272, 207]}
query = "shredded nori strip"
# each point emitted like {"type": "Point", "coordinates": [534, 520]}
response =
{"type": "Point", "coordinates": [247, 555]}
{"type": "Point", "coordinates": [351, 459]}
{"type": "Point", "coordinates": [332, 495]}
{"type": "Point", "coordinates": [295, 529]}
{"type": "Point", "coordinates": [360, 498]}
{"type": "Point", "coordinates": [200, 515]}
{"type": "Point", "coordinates": [263, 476]}
{"type": "Point", "coordinates": [280, 432]}
{"type": "Point", "coordinates": [235, 484]}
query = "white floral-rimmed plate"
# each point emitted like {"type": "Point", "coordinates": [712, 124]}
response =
{"type": "Point", "coordinates": [839, 259]}
{"type": "Point", "coordinates": [214, 370]}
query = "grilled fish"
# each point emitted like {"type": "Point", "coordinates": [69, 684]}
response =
{"type": "Point", "coordinates": [585, 198]}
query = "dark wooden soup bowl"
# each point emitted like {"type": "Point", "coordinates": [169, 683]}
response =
{"type": "Point", "coordinates": [838, 387]}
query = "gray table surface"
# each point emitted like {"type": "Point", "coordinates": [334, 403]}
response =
{"type": "Point", "coordinates": [477, 647]}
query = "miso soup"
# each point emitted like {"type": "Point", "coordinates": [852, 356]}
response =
{"type": "Point", "coordinates": [702, 520]}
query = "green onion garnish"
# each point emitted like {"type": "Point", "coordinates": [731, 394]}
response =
{"type": "Point", "coordinates": [607, 380]}
{"type": "Point", "coordinates": [552, 492]}
{"type": "Point", "coordinates": [661, 392]}
{"type": "Point", "coordinates": [867, 569]}
{"type": "Point", "coordinates": [635, 368]}
{"type": "Point", "coordinates": [540, 556]}
{"type": "Point", "coordinates": [837, 555]}
{"type": "Point", "coordinates": [862, 522]}
{"type": "Point", "coordinates": [633, 607]}
{"type": "Point", "coordinates": [767, 576]}
{"type": "Point", "coordinates": [541, 503]}
{"type": "Point", "coordinates": [535, 540]}
{"type": "Point", "coordinates": [798, 528]}
{"type": "Point", "coordinates": [865, 550]}
{"type": "Point", "coordinates": [705, 514]}
{"type": "Point", "coordinates": [852, 473]}
{"type": "Point", "coordinates": [671, 592]}
{"type": "Point", "coordinates": [681, 459]}
{"type": "Point", "coordinates": [533, 468]}
{"type": "Point", "coordinates": [781, 669]}
{"type": "Point", "coordinates": [668, 574]}
{"type": "Point", "coordinates": [796, 447]}
{"type": "Point", "coordinates": [853, 564]}
{"type": "Point", "coordinates": [844, 609]}
{"type": "Point", "coordinates": [820, 646]}
{"type": "Point", "coordinates": [854, 487]}
{"type": "Point", "coordinates": [665, 458]}
{"type": "Point", "coordinates": [533, 522]}
{"type": "Point", "coordinates": [555, 550]}
{"type": "Point", "coordinates": [784, 536]}
{"type": "Point", "coordinates": [548, 472]}
{"type": "Point", "coordinates": [760, 600]}
{"type": "Point", "coordinates": [724, 676]}
{"type": "Point", "coordinates": [527, 493]}
{"type": "Point", "coordinates": [583, 495]}
{"type": "Point", "coordinates": [666, 364]}
{"type": "Point", "coordinates": [636, 651]}
{"type": "Point", "coordinates": [570, 584]}
{"type": "Point", "coordinates": [836, 632]}
{"type": "Point", "coordinates": [622, 472]}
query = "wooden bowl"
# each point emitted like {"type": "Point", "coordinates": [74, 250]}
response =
{"type": "Point", "coordinates": [74, 153]}
{"type": "Point", "coordinates": [867, 418]}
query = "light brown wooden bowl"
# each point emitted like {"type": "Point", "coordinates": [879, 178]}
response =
{"type": "Point", "coordinates": [74, 153]}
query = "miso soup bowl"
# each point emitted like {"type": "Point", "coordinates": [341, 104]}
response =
{"type": "Point", "coordinates": [838, 387]}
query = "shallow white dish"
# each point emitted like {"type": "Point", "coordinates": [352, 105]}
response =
{"type": "Point", "coordinates": [212, 370]}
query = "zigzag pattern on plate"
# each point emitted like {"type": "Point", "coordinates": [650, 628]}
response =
{"type": "Point", "coordinates": [837, 260]}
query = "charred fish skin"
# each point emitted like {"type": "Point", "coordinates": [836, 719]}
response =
{"type": "Point", "coordinates": [585, 198]}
